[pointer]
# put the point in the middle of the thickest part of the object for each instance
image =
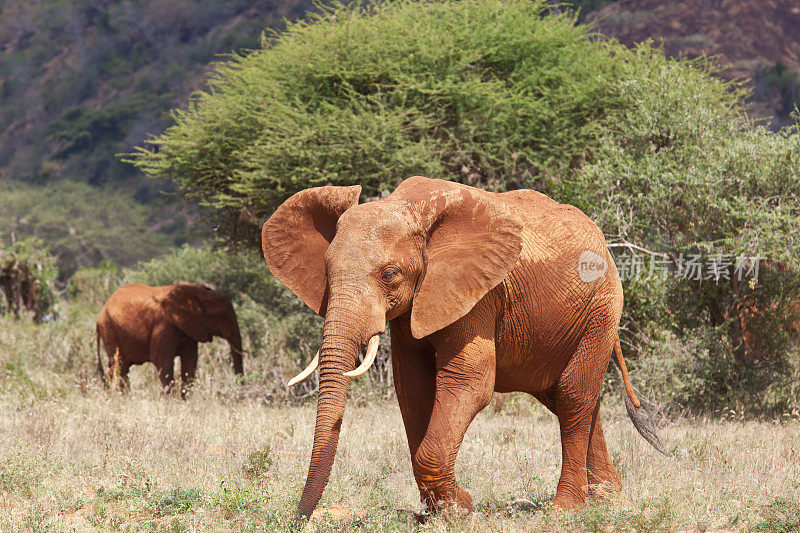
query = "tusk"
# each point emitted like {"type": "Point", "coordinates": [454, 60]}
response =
{"type": "Point", "coordinates": [372, 350]}
{"type": "Point", "coordinates": [305, 373]}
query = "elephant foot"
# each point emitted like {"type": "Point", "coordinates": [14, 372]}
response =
{"type": "Point", "coordinates": [571, 500]}
{"type": "Point", "coordinates": [459, 506]}
{"type": "Point", "coordinates": [464, 501]}
{"type": "Point", "coordinates": [569, 503]}
{"type": "Point", "coordinates": [603, 480]}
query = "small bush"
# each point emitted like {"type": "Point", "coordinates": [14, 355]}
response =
{"type": "Point", "coordinates": [780, 516]}
{"type": "Point", "coordinates": [258, 462]}
{"type": "Point", "coordinates": [94, 285]}
{"type": "Point", "coordinates": [171, 502]}
{"type": "Point", "coordinates": [27, 279]}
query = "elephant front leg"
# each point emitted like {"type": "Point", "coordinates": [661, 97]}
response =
{"type": "Point", "coordinates": [188, 355]}
{"type": "Point", "coordinates": [164, 343]}
{"type": "Point", "coordinates": [414, 372]}
{"type": "Point", "coordinates": [464, 386]}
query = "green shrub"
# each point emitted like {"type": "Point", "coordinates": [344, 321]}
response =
{"type": "Point", "coordinates": [258, 462]}
{"type": "Point", "coordinates": [682, 172]}
{"type": "Point", "coordinates": [170, 502]}
{"type": "Point", "coordinates": [27, 279]}
{"type": "Point", "coordinates": [81, 225]}
{"type": "Point", "coordinates": [94, 285]}
{"type": "Point", "coordinates": [781, 516]}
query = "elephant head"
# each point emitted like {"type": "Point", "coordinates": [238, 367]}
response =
{"type": "Point", "coordinates": [202, 313]}
{"type": "Point", "coordinates": [432, 249]}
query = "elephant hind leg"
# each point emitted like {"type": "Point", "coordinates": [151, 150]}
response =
{"type": "Point", "coordinates": [576, 404]}
{"type": "Point", "coordinates": [116, 358]}
{"type": "Point", "coordinates": [603, 477]}
{"type": "Point", "coordinates": [166, 371]}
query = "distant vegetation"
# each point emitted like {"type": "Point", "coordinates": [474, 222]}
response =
{"type": "Point", "coordinates": [84, 225]}
{"type": "Point", "coordinates": [785, 81]}
{"type": "Point", "coordinates": [27, 276]}
{"type": "Point", "coordinates": [83, 80]}
{"type": "Point", "coordinates": [96, 76]}
{"type": "Point", "coordinates": [503, 95]}
{"type": "Point", "coordinates": [583, 7]}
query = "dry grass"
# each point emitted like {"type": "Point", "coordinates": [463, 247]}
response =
{"type": "Point", "coordinates": [75, 457]}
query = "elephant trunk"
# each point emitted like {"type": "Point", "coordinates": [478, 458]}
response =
{"type": "Point", "coordinates": [234, 338]}
{"type": "Point", "coordinates": [342, 339]}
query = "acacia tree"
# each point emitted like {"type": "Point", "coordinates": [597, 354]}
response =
{"type": "Point", "coordinates": [502, 95]}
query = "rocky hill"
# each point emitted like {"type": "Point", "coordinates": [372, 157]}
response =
{"type": "Point", "coordinates": [85, 79]}
{"type": "Point", "coordinates": [759, 40]}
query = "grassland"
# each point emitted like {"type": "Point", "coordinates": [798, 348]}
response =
{"type": "Point", "coordinates": [74, 457]}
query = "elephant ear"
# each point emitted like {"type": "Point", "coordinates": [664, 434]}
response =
{"type": "Point", "coordinates": [473, 241]}
{"type": "Point", "coordinates": [185, 309]}
{"type": "Point", "coordinates": [295, 238]}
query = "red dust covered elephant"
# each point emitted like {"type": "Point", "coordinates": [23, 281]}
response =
{"type": "Point", "coordinates": [482, 292]}
{"type": "Point", "coordinates": [140, 323]}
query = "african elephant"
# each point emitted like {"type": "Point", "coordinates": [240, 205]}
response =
{"type": "Point", "coordinates": [483, 292]}
{"type": "Point", "coordinates": [155, 324]}
{"type": "Point", "coordinates": [755, 342]}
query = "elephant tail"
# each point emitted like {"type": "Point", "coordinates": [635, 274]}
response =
{"type": "Point", "coordinates": [99, 361]}
{"type": "Point", "coordinates": [641, 417]}
{"type": "Point", "coordinates": [625, 378]}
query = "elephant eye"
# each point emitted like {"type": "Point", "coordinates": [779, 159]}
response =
{"type": "Point", "coordinates": [388, 275]}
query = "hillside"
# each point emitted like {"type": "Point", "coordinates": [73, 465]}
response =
{"type": "Point", "coordinates": [84, 80]}
{"type": "Point", "coordinates": [755, 40]}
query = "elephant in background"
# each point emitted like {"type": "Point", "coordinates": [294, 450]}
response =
{"type": "Point", "coordinates": [140, 323]}
{"type": "Point", "coordinates": [755, 343]}
{"type": "Point", "coordinates": [482, 292]}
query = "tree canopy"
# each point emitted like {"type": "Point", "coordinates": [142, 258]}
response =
{"type": "Point", "coordinates": [491, 93]}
